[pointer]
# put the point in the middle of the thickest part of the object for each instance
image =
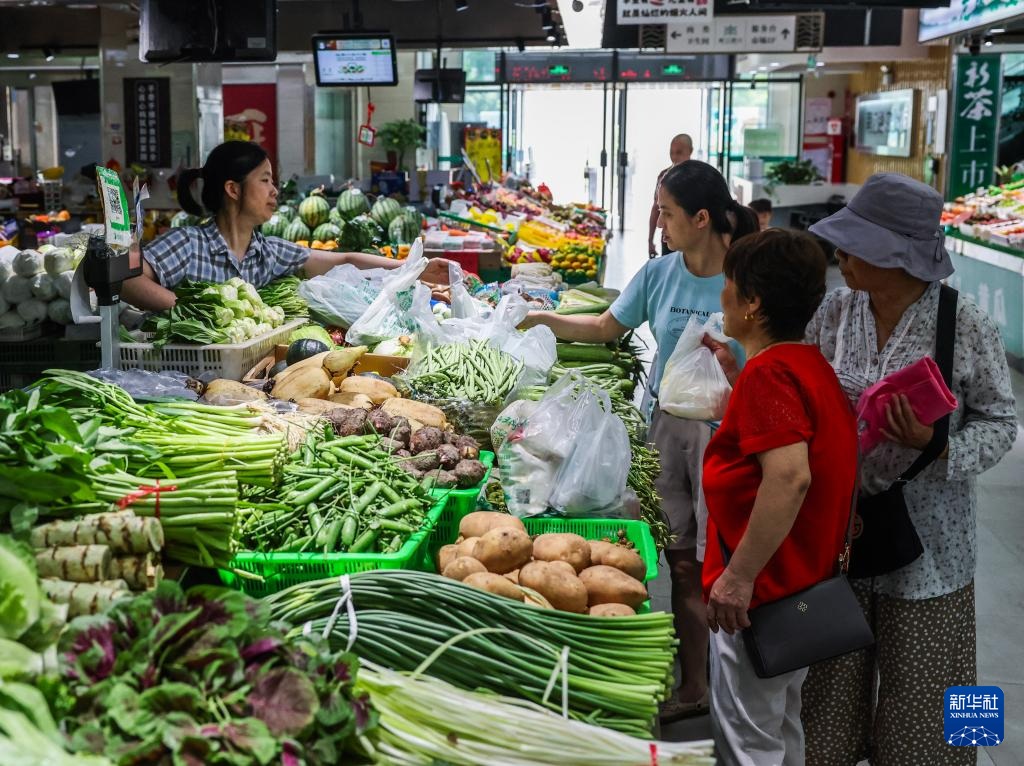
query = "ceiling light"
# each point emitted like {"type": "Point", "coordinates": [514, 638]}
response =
{"type": "Point", "coordinates": [48, 54]}
{"type": "Point", "coordinates": [551, 37]}
{"type": "Point", "coordinates": [998, 31]}
{"type": "Point", "coordinates": [820, 63]}
{"type": "Point", "coordinates": [14, 55]}
{"type": "Point", "coordinates": [31, 75]}
{"type": "Point", "coordinates": [461, 5]}
{"type": "Point", "coordinates": [988, 41]}
{"type": "Point", "coordinates": [546, 22]}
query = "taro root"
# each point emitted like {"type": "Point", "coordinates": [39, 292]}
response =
{"type": "Point", "coordinates": [347, 422]}
{"type": "Point", "coordinates": [449, 456]}
{"type": "Point", "coordinates": [390, 446]}
{"type": "Point", "coordinates": [427, 438]}
{"type": "Point", "coordinates": [443, 479]}
{"type": "Point", "coordinates": [403, 454]}
{"type": "Point", "coordinates": [409, 468]}
{"type": "Point", "coordinates": [400, 430]}
{"type": "Point", "coordinates": [380, 422]}
{"type": "Point", "coordinates": [469, 448]}
{"type": "Point", "coordinates": [470, 473]}
{"type": "Point", "coordinates": [426, 461]}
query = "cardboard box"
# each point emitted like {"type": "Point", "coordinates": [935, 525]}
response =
{"type": "Point", "coordinates": [381, 364]}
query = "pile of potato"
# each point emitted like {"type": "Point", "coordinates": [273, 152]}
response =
{"type": "Point", "coordinates": [495, 553]}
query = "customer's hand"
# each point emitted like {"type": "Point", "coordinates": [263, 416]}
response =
{"type": "Point", "coordinates": [436, 272]}
{"type": "Point", "coordinates": [728, 603]}
{"type": "Point", "coordinates": [904, 427]}
{"type": "Point", "coordinates": [725, 358]}
{"type": "Point", "coordinates": [533, 319]}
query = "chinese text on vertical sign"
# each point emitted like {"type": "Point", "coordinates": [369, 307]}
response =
{"type": "Point", "coordinates": [978, 85]}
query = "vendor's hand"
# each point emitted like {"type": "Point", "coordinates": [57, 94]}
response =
{"type": "Point", "coordinates": [728, 603]}
{"type": "Point", "coordinates": [436, 271]}
{"type": "Point", "coordinates": [904, 427]}
{"type": "Point", "coordinates": [725, 358]}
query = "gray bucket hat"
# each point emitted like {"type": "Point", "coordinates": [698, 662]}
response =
{"type": "Point", "coordinates": [892, 223]}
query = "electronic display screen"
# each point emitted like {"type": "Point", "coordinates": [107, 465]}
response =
{"type": "Point", "coordinates": [355, 59]}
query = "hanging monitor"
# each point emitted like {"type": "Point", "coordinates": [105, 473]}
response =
{"type": "Point", "coordinates": [443, 86]}
{"type": "Point", "coordinates": [355, 59]}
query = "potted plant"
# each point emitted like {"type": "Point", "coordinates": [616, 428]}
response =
{"type": "Point", "coordinates": [400, 136]}
{"type": "Point", "coordinates": [791, 173]}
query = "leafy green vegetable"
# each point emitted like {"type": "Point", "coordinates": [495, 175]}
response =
{"type": "Point", "coordinates": [313, 332]}
{"type": "Point", "coordinates": [20, 595]}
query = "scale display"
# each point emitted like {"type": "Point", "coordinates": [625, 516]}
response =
{"type": "Point", "coordinates": [355, 60]}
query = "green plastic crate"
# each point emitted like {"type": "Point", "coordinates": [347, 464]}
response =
{"type": "Point", "coordinates": [282, 570]}
{"type": "Point", "coordinates": [637, 532]}
{"type": "Point", "coordinates": [463, 501]}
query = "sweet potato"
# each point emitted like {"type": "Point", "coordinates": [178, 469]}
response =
{"type": "Point", "coordinates": [563, 547]}
{"type": "Point", "coordinates": [466, 547]}
{"type": "Point", "coordinates": [557, 582]}
{"type": "Point", "coordinates": [494, 583]}
{"type": "Point", "coordinates": [376, 389]}
{"type": "Point", "coordinates": [362, 401]}
{"type": "Point", "coordinates": [608, 585]}
{"type": "Point", "coordinates": [446, 556]}
{"type": "Point", "coordinates": [611, 610]}
{"type": "Point", "coordinates": [503, 549]}
{"type": "Point", "coordinates": [421, 412]}
{"type": "Point", "coordinates": [479, 523]}
{"type": "Point", "coordinates": [462, 567]}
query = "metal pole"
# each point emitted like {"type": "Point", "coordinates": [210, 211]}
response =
{"type": "Point", "coordinates": [623, 158]}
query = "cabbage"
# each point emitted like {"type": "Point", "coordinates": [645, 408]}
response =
{"type": "Point", "coordinates": [43, 288]}
{"type": "Point", "coordinates": [228, 292]}
{"type": "Point", "coordinates": [32, 311]}
{"type": "Point", "coordinates": [17, 289]}
{"type": "Point", "coordinates": [250, 293]}
{"type": "Point", "coordinates": [59, 311]}
{"type": "Point", "coordinates": [58, 260]}
{"type": "Point", "coordinates": [28, 263]}
{"type": "Point", "coordinates": [11, 321]}
{"type": "Point", "coordinates": [224, 316]}
{"type": "Point", "coordinates": [313, 331]}
{"type": "Point", "coordinates": [235, 334]}
{"type": "Point", "coordinates": [62, 283]}
{"type": "Point", "coordinates": [20, 594]}
{"type": "Point", "coordinates": [44, 249]}
{"type": "Point", "coordinates": [401, 346]}
{"type": "Point", "coordinates": [262, 329]}
{"type": "Point", "coordinates": [236, 282]}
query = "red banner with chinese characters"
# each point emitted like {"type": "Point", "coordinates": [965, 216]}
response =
{"type": "Point", "coordinates": [250, 113]}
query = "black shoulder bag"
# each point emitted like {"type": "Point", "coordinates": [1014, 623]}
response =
{"type": "Point", "coordinates": [814, 625]}
{"type": "Point", "coordinates": [884, 538]}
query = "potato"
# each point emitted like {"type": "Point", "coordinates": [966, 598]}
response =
{"type": "Point", "coordinates": [608, 585]}
{"type": "Point", "coordinates": [512, 576]}
{"type": "Point", "coordinates": [465, 548]}
{"type": "Point", "coordinates": [625, 560]}
{"type": "Point", "coordinates": [494, 583]}
{"type": "Point", "coordinates": [446, 556]}
{"type": "Point", "coordinates": [503, 549]}
{"type": "Point", "coordinates": [479, 523]}
{"type": "Point", "coordinates": [557, 582]}
{"type": "Point", "coordinates": [463, 567]}
{"type": "Point", "coordinates": [611, 610]}
{"type": "Point", "coordinates": [597, 550]}
{"type": "Point", "coordinates": [563, 547]}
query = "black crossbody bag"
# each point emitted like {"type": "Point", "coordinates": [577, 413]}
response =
{"type": "Point", "coordinates": [884, 538]}
{"type": "Point", "coordinates": [816, 624]}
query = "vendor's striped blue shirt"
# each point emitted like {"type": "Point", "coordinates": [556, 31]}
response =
{"type": "Point", "coordinates": [199, 253]}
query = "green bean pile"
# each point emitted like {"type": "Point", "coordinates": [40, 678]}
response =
{"type": "Point", "coordinates": [472, 372]}
{"type": "Point", "coordinates": [340, 496]}
{"type": "Point", "coordinates": [619, 668]}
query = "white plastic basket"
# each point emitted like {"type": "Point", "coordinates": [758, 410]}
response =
{"type": "Point", "coordinates": [222, 360]}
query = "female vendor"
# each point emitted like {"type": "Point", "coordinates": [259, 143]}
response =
{"type": "Point", "coordinates": [239, 194]}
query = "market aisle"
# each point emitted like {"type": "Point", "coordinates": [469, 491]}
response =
{"type": "Point", "coordinates": [1000, 579]}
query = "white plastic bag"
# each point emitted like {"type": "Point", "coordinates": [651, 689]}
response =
{"type": "Point", "coordinates": [694, 385]}
{"type": "Point", "coordinates": [388, 315]}
{"type": "Point", "coordinates": [463, 305]}
{"type": "Point", "coordinates": [343, 294]}
{"type": "Point", "coordinates": [591, 482]}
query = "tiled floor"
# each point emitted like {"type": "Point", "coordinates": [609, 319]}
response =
{"type": "Point", "coordinates": [1000, 578]}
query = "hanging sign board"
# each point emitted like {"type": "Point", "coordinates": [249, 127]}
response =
{"type": "Point", "coordinates": [483, 147]}
{"type": "Point", "coordinates": [663, 11]}
{"type": "Point", "coordinates": [147, 105]}
{"type": "Point", "coordinates": [733, 34]}
{"type": "Point", "coordinates": [975, 122]}
{"type": "Point", "coordinates": [556, 67]}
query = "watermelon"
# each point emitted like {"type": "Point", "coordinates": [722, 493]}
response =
{"type": "Point", "coordinates": [403, 230]}
{"type": "Point", "coordinates": [181, 218]}
{"type": "Point", "coordinates": [337, 218]}
{"type": "Point", "coordinates": [295, 231]}
{"type": "Point", "coordinates": [286, 212]}
{"type": "Point", "coordinates": [314, 210]}
{"type": "Point", "coordinates": [275, 226]}
{"type": "Point", "coordinates": [326, 232]}
{"type": "Point", "coordinates": [384, 211]}
{"type": "Point", "coordinates": [352, 203]}
{"type": "Point", "coordinates": [360, 233]}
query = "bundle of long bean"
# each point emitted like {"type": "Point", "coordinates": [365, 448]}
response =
{"type": "Point", "coordinates": [198, 515]}
{"type": "Point", "coordinates": [474, 372]}
{"type": "Point", "coordinates": [345, 495]}
{"type": "Point", "coordinates": [423, 720]}
{"type": "Point", "coordinates": [284, 293]}
{"type": "Point", "coordinates": [618, 669]}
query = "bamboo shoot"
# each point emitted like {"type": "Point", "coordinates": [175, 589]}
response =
{"type": "Point", "coordinates": [122, 532]}
{"type": "Point", "coordinates": [83, 597]}
{"type": "Point", "coordinates": [76, 563]}
{"type": "Point", "coordinates": [140, 572]}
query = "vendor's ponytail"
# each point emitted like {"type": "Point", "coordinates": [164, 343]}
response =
{"type": "Point", "coordinates": [696, 186]}
{"type": "Point", "coordinates": [231, 161]}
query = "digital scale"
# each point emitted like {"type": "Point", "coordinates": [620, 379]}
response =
{"type": "Point", "coordinates": [105, 270]}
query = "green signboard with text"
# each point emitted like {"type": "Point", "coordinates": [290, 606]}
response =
{"type": "Point", "coordinates": [975, 123]}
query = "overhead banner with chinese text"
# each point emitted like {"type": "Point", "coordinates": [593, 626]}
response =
{"type": "Point", "coordinates": [975, 123]}
{"type": "Point", "coordinates": [663, 11]}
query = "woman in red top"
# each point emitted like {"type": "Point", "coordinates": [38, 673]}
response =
{"type": "Point", "coordinates": [778, 480]}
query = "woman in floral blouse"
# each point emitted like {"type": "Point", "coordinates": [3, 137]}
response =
{"type": "Point", "coordinates": [891, 253]}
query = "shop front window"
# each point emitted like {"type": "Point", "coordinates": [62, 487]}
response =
{"type": "Point", "coordinates": [765, 122]}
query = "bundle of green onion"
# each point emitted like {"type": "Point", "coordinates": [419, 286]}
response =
{"type": "Point", "coordinates": [423, 720]}
{"type": "Point", "coordinates": [257, 460]}
{"type": "Point", "coordinates": [284, 293]}
{"type": "Point", "coordinates": [616, 669]}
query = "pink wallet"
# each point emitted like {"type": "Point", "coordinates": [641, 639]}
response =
{"type": "Point", "coordinates": [921, 382]}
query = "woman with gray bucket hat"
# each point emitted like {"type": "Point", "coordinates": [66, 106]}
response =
{"type": "Point", "coordinates": [886, 703]}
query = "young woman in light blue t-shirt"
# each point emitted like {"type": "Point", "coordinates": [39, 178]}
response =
{"type": "Point", "coordinates": [700, 219]}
